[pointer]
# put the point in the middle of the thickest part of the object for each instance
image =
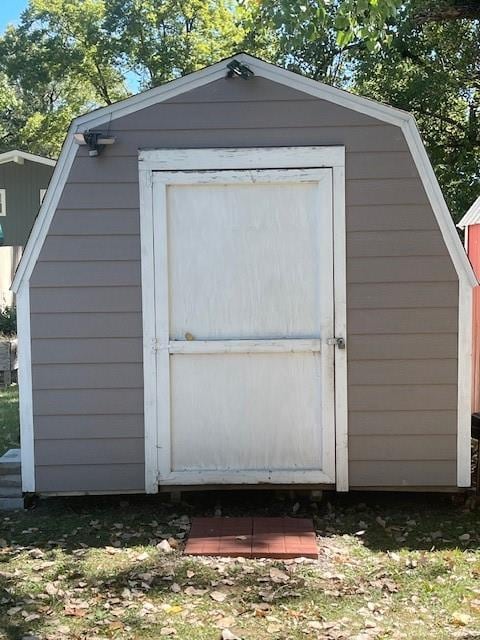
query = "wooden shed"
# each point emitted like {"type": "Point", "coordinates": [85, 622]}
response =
{"type": "Point", "coordinates": [244, 277]}
{"type": "Point", "coordinates": [470, 223]}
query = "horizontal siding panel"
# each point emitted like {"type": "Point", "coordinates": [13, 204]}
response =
{"type": "Point", "coordinates": [390, 217]}
{"type": "Point", "coordinates": [402, 447]}
{"type": "Point", "coordinates": [88, 477]}
{"type": "Point", "coordinates": [359, 166]}
{"type": "Point", "coordinates": [362, 166]}
{"type": "Point", "coordinates": [395, 243]}
{"type": "Point", "coordinates": [86, 350]}
{"type": "Point", "coordinates": [81, 427]}
{"type": "Point", "coordinates": [116, 168]}
{"type": "Point", "coordinates": [368, 192]}
{"type": "Point", "coordinates": [406, 347]}
{"type": "Point", "coordinates": [390, 372]}
{"type": "Point", "coordinates": [411, 269]}
{"type": "Point", "coordinates": [96, 222]}
{"type": "Point", "coordinates": [410, 473]}
{"type": "Point", "coordinates": [393, 321]}
{"type": "Point", "coordinates": [92, 452]}
{"type": "Point", "coordinates": [88, 376]}
{"type": "Point", "coordinates": [402, 397]}
{"type": "Point", "coordinates": [366, 423]}
{"type": "Point", "coordinates": [86, 325]}
{"type": "Point", "coordinates": [256, 88]}
{"type": "Point", "coordinates": [117, 195]}
{"type": "Point", "coordinates": [68, 248]}
{"type": "Point", "coordinates": [255, 114]}
{"type": "Point", "coordinates": [376, 138]}
{"type": "Point", "coordinates": [402, 295]}
{"type": "Point", "coordinates": [81, 274]}
{"type": "Point", "coordinates": [85, 299]}
{"type": "Point", "coordinates": [89, 401]}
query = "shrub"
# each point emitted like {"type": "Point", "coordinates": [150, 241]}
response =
{"type": "Point", "coordinates": [8, 321]}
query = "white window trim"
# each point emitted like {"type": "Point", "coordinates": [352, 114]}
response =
{"type": "Point", "coordinates": [3, 202]}
{"type": "Point", "coordinates": [42, 195]}
{"type": "Point", "coordinates": [228, 159]}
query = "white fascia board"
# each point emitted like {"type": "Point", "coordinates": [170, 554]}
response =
{"type": "Point", "coordinates": [45, 215]}
{"type": "Point", "coordinates": [15, 156]}
{"type": "Point", "coordinates": [342, 98]}
{"type": "Point", "coordinates": [153, 96]}
{"type": "Point", "coordinates": [472, 216]}
{"type": "Point", "coordinates": [445, 222]}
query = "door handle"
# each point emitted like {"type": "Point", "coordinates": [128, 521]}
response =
{"type": "Point", "coordinates": [338, 342]}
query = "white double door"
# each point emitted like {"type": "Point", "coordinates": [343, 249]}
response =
{"type": "Point", "coordinates": [244, 308]}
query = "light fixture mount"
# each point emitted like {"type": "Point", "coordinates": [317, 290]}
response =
{"type": "Point", "coordinates": [95, 140]}
{"type": "Point", "coordinates": [236, 68]}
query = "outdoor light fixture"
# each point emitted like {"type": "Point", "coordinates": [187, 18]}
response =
{"type": "Point", "coordinates": [236, 68]}
{"type": "Point", "coordinates": [95, 140]}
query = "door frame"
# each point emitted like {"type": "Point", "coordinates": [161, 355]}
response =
{"type": "Point", "coordinates": [153, 269]}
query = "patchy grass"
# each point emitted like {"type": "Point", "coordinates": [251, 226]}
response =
{"type": "Point", "coordinates": [391, 567]}
{"type": "Point", "coordinates": [9, 420]}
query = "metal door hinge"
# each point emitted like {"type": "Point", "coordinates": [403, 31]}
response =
{"type": "Point", "coordinates": [158, 345]}
{"type": "Point", "coordinates": [339, 342]}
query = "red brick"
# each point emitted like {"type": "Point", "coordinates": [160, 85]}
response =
{"type": "Point", "coordinates": [252, 537]}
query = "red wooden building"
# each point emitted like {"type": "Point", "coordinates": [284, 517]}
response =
{"type": "Point", "coordinates": [471, 224]}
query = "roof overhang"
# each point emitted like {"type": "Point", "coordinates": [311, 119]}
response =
{"type": "Point", "coordinates": [20, 156]}
{"type": "Point", "coordinates": [472, 216]}
{"type": "Point", "coordinates": [271, 72]}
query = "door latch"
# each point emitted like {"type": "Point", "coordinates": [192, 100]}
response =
{"type": "Point", "coordinates": [339, 342]}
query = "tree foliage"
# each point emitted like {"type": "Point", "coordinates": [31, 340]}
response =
{"type": "Point", "coordinates": [68, 56]}
{"type": "Point", "coordinates": [432, 69]}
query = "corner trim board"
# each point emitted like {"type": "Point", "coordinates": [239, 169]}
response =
{"type": "Point", "coordinates": [464, 398]}
{"type": "Point", "coordinates": [25, 389]}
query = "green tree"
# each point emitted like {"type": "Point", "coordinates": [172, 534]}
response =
{"type": "Point", "coordinates": [163, 40]}
{"type": "Point", "coordinates": [54, 70]}
{"type": "Point", "coordinates": [432, 69]}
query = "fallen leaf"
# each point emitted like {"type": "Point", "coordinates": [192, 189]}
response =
{"type": "Point", "coordinates": [278, 576]}
{"type": "Point", "coordinates": [314, 624]}
{"type": "Point", "coordinates": [225, 623]}
{"type": "Point", "coordinates": [461, 619]}
{"type": "Point", "coordinates": [218, 596]}
{"type": "Point", "coordinates": [164, 546]}
{"type": "Point", "coordinates": [167, 631]}
{"type": "Point", "coordinates": [228, 635]}
{"type": "Point", "coordinates": [192, 591]}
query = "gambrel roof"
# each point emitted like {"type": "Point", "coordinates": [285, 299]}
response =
{"type": "Point", "coordinates": [276, 74]}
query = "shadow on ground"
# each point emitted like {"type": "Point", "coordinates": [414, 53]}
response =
{"type": "Point", "coordinates": [384, 521]}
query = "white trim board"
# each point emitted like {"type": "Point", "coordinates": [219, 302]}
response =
{"type": "Point", "coordinates": [20, 156]}
{"type": "Point", "coordinates": [25, 390]}
{"type": "Point", "coordinates": [157, 167]}
{"type": "Point", "coordinates": [271, 72]}
{"type": "Point", "coordinates": [472, 216]}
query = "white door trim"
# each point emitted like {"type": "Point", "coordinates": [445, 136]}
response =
{"type": "Point", "coordinates": [154, 277]}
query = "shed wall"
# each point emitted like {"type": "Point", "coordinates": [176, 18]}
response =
{"type": "Point", "coordinates": [22, 183]}
{"type": "Point", "coordinates": [401, 285]}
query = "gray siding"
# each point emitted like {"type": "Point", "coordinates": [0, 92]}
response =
{"type": "Point", "coordinates": [22, 183]}
{"type": "Point", "coordinates": [402, 294]}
